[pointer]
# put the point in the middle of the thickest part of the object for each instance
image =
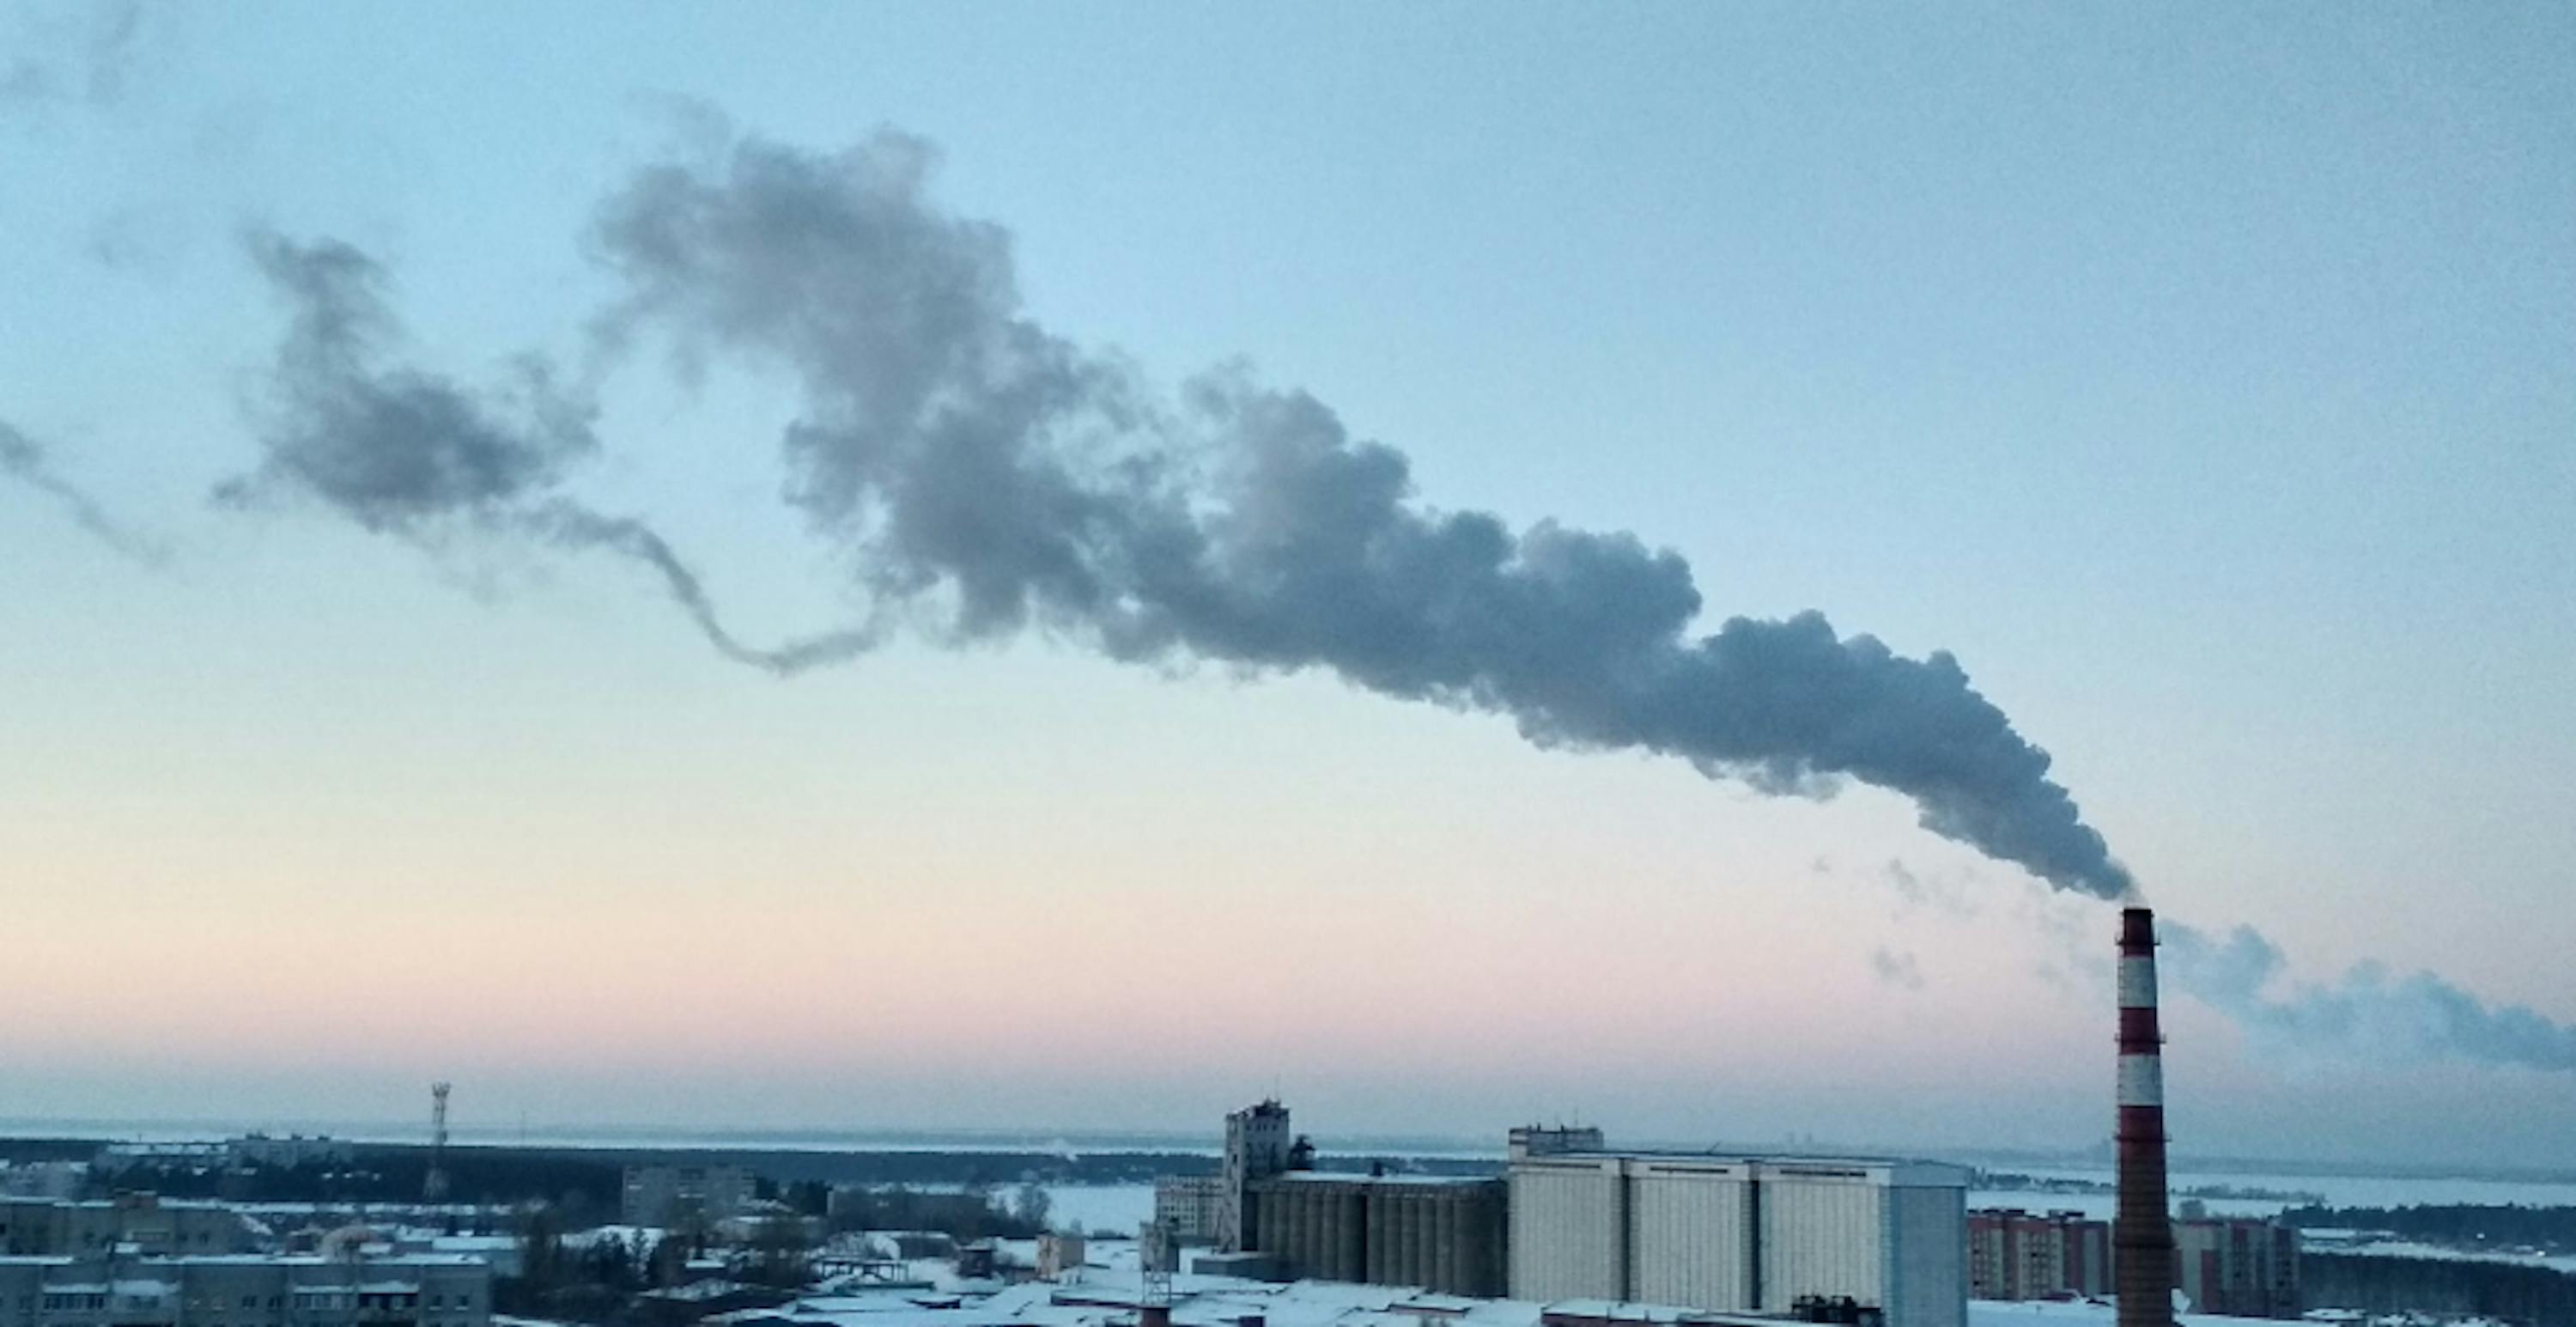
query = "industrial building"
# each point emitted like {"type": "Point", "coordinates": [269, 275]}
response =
{"type": "Point", "coordinates": [1445, 1235]}
{"type": "Point", "coordinates": [2013, 1254]}
{"type": "Point", "coordinates": [1256, 1147]}
{"type": "Point", "coordinates": [1736, 1234]}
{"type": "Point", "coordinates": [1269, 1213]}
{"type": "Point", "coordinates": [246, 1290]}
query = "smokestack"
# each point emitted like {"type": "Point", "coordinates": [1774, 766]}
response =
{"type": "Point", "coordinates": [2142, 1250]}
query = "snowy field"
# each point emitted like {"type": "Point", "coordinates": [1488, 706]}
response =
{"type": "Point", "coordinates": [1089, 1207]}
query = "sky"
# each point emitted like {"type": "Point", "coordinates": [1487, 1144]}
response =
{"type": "Point", "coordinates": [2200, 378]}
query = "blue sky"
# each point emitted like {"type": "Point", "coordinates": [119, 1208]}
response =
{"type": "Point", "coordinates": [2198, 376]}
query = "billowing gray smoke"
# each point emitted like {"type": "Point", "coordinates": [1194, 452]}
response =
{"type": "Point", "coordinates": [989, 469]}
{"type": "Point", "coordinates": [989, 476]}
{"type": "Point", "coordinates": [2367, 1014]}
{"type": "Point", "coordinates": [413, 454]}
{"type": "Point", "coordinates": [24, 460]}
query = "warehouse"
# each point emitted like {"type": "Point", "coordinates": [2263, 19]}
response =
{"type": "Point", "coordinates": [1445, 1235]}
{"type": "Point", "coordinates": [1736, 1234]}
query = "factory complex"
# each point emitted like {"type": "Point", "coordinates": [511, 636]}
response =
{"type": "Point", "coordinates": [1573, 1219]}
{"type": "Point", "coordinates": [1114, 1296]}
{"type": "Point", "coordinates": [1876, 1240]}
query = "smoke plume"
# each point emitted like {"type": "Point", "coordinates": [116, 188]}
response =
{"type": "Point", "coordinates": [409, 453]}
{"type": "Point", "coordinates": [24, 460]}
{"type": "Point", "coordinates": [1899, 969]}
{"type": "Point", "coordinates": [990, 475]}
{"type": "Point", "coordinates": [987, 477]}
{"type": "Point", "coordinates": [2366, 1014]}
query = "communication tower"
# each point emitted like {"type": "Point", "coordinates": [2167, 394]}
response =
{"type": "Point", "coordinates": [433, 1187]}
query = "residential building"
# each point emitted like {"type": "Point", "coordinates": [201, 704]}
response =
{"type": "Point", "coordinates": [290, 1152]}
{"type": "Point", "coordinates": [245, 1290]}
{"type": "Point", "coordinates": [141, 1222]}
{"type": "Point", "coordinates": [44, 1179]}
{"type": "Point", "coordinates": [685, 1195]}
{"type": "Point", "coordinates": [1185, 1206]}
{"type": "Point", "coordinates": [2244, 1267]}
{"type": "Point", "coordinates": [2013, 1254]}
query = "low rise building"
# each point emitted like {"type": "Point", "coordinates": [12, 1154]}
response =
{"type": "Point", "coordinates": [245, 1291]}
{"type": "Point", "coordinates": [1059, 1255]}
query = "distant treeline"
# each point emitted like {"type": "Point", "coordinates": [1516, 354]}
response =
{"type": "Point", "coordinates": [2452, 1223]}
{"type": "Point", "coordinates": [20, 1151]}
{"type": "Point", "coordinates": [591, 1180]}
{"type": "Point", "coordinates": [2008, 1180]}
{"type": "Point", "coordinates": [2451, 1287]}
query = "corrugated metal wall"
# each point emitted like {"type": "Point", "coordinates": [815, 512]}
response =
{"type": "Point", "coordinates": [1927, 1271]}
{"type": "Point", "coordinates": [1823, 1232]}
{"type": "Point", "coordinates": [1690, 1240]}
{"type": "Point", "coordinates": [1568, 1229]}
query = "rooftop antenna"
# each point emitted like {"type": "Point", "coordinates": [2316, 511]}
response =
{"type": "Point", "coordinates": [433, 1187]}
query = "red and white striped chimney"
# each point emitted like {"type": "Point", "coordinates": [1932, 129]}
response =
{"type": "Point", "coordinates": [2142, 1248]}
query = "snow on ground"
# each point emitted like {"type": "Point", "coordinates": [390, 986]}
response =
{"type": "Point", "coordinates": [2070, 1313]}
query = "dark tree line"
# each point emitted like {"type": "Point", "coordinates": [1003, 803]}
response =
{"type": "Point", "coordinates": [2454, 1287]}
{"type": "Point", "coordinates": [2452, 1223]}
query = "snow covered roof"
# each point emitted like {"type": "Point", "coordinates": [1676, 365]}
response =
{"type": "Point", "coordinates": [1408, 1177]}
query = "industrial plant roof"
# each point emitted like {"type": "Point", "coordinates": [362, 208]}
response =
{"type": "Point", "coordinates": [1355, 1177]}
{"type": "Point", "coordinates": [372, 1263]}
{"type": "Point", "coordinates": [1940, 1173]}
{"type": "Point", "coordinates": [1099, 1297]}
